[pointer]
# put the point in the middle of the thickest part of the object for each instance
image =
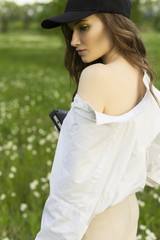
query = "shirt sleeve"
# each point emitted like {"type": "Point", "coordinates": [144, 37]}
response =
{"type": "Point", "coordinates": [153, 163]}
{"type": "Point", "coordinates": [85, 159]}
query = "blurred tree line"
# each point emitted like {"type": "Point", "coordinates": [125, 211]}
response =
{"type": "Point", "coordinates": [145, 13]}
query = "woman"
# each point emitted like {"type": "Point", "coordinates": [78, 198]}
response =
{"type": "Point", "coordinates": [108, 147]}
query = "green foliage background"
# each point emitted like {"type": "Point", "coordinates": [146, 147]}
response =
{"type": "Point", "coordinates": [145, 13]}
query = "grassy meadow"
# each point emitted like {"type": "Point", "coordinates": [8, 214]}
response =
{"type": "Point", "coordinates": [33, 82]}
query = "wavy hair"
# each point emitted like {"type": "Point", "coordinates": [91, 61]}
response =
{"type": "Point", "coordinates": [125, 39]}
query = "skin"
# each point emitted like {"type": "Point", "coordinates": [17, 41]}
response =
{"type": "Point", "coordinates": [91, 35]}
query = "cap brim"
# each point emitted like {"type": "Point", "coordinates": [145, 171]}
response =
{"type": "Point", "coordinates": [65, 17]}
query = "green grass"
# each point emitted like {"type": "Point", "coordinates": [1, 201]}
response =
{"type": "Point", "coordinates": [33, 82]}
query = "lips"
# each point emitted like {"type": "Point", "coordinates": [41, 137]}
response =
{"type": "Point", "coordinates": [81, 52]}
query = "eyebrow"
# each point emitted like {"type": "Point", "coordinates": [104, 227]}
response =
{"type": "Point", "coordinates": [78, 22]}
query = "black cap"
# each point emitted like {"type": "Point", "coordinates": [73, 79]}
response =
{"type": "Point", "coordinates": [78, 9]}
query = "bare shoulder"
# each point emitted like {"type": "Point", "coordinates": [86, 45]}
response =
{"type": "Point", "coordinates": [93, 84]}
{"type": "Point", "coordinates": [92, 76]}
{"type": "Point", "coordinates": [97, 70]}
{"type": "Point", "coordinates": [113, 89]}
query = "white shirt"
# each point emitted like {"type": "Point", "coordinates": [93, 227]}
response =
{"type": "Point", "coordinates": [99, 161]}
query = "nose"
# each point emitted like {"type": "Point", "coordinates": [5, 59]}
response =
{"type": "Point", "coordinates": [75, 39]}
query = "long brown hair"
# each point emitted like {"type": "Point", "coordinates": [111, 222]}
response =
{"type": "Point", "coordinates": [125, 39]}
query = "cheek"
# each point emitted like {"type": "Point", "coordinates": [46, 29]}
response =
{"type": "Point", "coordinates": [104, 40]}
{"type": "Point", "coordinates": [94, 36]}
{"type": "Point", "coordinates": [97, 37]}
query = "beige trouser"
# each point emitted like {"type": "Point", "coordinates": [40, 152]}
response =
{"type": "Point", "coordinates": [119, 222]}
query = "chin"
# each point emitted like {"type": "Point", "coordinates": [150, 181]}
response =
{"type": "Point", "coordinates": [89, 60]}
{"type": "Point", "coordinates": [96, 60]}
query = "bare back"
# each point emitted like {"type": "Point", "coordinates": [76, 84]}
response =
{"type": "Point", "coordinates": [127, 89]}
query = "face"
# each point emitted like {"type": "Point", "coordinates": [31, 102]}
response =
{"type": "Point", "coordinates": [91, 36]}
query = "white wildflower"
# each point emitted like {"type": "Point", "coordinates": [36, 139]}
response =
{"type": "Point", "coordinates": [29, 147]}
{"type": "Point", "coordinates": [34, 184]}
{"type": "Point", "coordinates": [42, 132]}
{"type": "Point", "coordinates": [44, 180]}
{"type": "Point", "coordinates": [11, 175]}
{"type": "Point", "coordinates": [31, 138]}
{"type": "Point", "coordinates": [27, 98]}
{"type": "Point", "coordinates": [3, 196]}
{"type": "Point", "coordinates": [13, 169]}
{"type": "Point", "coordinates": [49, 162]}
{"type": "Point", "coordinates": [14, 147]}
{"type": "Point", "coordinates": [29, 130]}
{"type": "Point", "coordinates": [148, 238]}
{"type": "Point", "coordinates": [155, 196]}
{"type": "Point", "coordinates": [24, 215]}
{"type": "Point", "coordinates": [42, 141]}
{"type": "Point", "coordinates": [141, 203]}
{"type": "Point", "coordinates": [7, 152]}
{"type": "Point", "coordinates": [34, 152]}
{"type": "Point", "coordinates": [48, 150]}
{"type": "Point", "coordinates": [45, 186]}
{"type": "Point", "coordinates": [139, 237]}
{"type": "Point", "coordinates": [14, 156]}
{"type": "Point", "coordinates": [142, 227]}
{"type": "Point", "coordinates": [148, 231]}
{"type": "Point", "coordinates": [48, 176]}
{"type": "Point", "coordinates": [13, 194]}
{"type": "Point", "coordinates": [23, 207]}
{"type": "Point", "coordinates": [36, 194]}
{"type": "Point", "coordinates": [49, 137]}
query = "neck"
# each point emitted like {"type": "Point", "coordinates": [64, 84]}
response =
{"type": "Point", "coordinates": [111, 57]}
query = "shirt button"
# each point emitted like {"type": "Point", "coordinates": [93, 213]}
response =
{"type": "Point", "coordinates": [76, 100]}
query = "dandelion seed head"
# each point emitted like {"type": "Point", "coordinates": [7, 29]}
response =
{"type": "Point", "coordinates": [42, 141]}
{"type": "Point", "coordinates": [45, 186]}
{"type": "Point", "coordinates": [7, 152]}
{"type": "Point", "coordinates": [29, 147]}
{"type": "Point", "coordinates": [27, 98]}
{"type": "Point", "coordinates": [2, 196]}
{"type": "Point", "coordinates": [36, 194]}
{"type": "Point", "coordinates": [13, 169]}
{"type": "Point", "coordinates": [23, 207]}
{"type": "Point", "coordinates": [13, 194]}
{"type": "Point", "coordinates": [155, 196]}
{"type": "Point", "coordinates": [48, 176]}
{"type": "Point", "coordinates": [49, 162]}
{"type": "Point", "coordinates": [11, 175]}
{"type": "Point", "coordinates": [141, 203]}
{"type": "Point", "coordinates": [34, 184]}
{"type": "Point", "coordinates": [142, 227]}
{"type": "Point", "coordinates": [34, 152]}
{"type": "Point", "coordinates": [14, 147]}
{"type": "Point", "coordinates": [139, 237]}
{"type": "Point", "coordinates": [43, 180]}
{"type": "Point", "coordinates": [24, 215]}
{"type": "Point", "coordinates": [48, 150]}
